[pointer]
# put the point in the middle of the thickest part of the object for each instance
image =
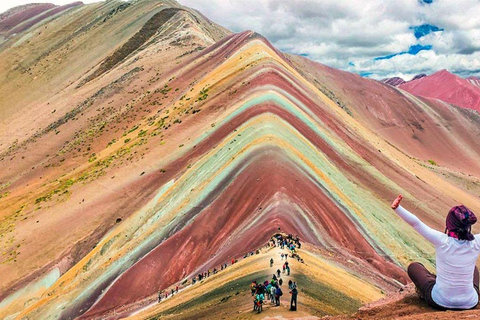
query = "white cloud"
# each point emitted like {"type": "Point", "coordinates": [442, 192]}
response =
{"type": "Point", "coordinates": [337, 32]}
{"type": "Point", "coordinates": [423, 62]}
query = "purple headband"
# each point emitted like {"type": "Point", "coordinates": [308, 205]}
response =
{"type": "Point", "coordinates": [459, 221]}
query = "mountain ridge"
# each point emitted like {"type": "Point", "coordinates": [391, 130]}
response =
{"type": "Point", "coordinates": [444, 86]}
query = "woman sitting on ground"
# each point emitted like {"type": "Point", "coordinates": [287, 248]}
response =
{"type": "Point", "coordinates": [455, 287]}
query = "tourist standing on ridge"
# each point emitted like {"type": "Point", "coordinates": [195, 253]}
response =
{"type": "Point", "coordinates": [273, 289]}
{"type": "Point", "coordinates": [293, 302]}
{"type": "Point", "coordinates": [271, 262]}
{"type": "Point", "coordinates": [278, 294]}
{"type": "Point", "coordinates": [456, 284]}
{"type": "Point", "coordinates": [253, 287]}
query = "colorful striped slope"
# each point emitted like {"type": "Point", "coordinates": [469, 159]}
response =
{"type": "Point", "coordinates": [193, 148]}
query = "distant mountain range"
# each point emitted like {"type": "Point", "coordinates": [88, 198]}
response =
{"type": "Point", "coordinates": [442, 85]}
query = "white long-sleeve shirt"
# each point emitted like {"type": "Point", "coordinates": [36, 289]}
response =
{"type": "Point", "coordinates": [455, 264]}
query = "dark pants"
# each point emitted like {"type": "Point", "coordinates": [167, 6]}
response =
{"type": "Point", "coordinates": [293, 303]}
{"type": "Point", "coordinates": [277, 300]}
{"type": "Point", "coordinates": [424, 280]}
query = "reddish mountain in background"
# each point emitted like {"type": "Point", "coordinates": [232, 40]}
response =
{"type": "Point", "coordinates": [447, 87]}
{"type": "Point", "coordinates": [395, 81]}
{"type": "Point", "coordinates": [474, 80]}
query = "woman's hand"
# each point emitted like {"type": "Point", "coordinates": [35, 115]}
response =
{"type": "Point", "coordinates": [396, 202]}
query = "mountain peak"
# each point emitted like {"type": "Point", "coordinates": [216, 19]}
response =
{"type": "Point", "coordinates": [443, 73]}
{"type": "Point", "coordinates": [394, 81]}
{"type": "Point", "coordinates": [448, 87]}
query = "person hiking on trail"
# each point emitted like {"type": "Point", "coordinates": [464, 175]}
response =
{"type": "Point", "coordinates": [278, 273]}
{"type": "Point", "coordinates": [260, 289]}
{"type": "Point", "coordinates": [273, 282]}
{"type": "Point", "coordinates": [273, 289]}
{"type": "Point", "coordinates": [293, 302]}
{"type": "Point", "coordinates": [260, 297]}
{"type": "Point", "coordinates": [271, 262]}
{"type": "Point", "coordinates": [176, 289]}
{"type": "Point", "coordinates": [159, 296]}
{"type": "Point", "coordinates": [280, 281]}
{"type": "Point", "coordinates": [290, 283]}
{"type": "Point", "coordinates": [284, 268]}
{"type": "Point", "coordinates": [253, 287]}
{"type": "Point", "coordinates": [258, 301]}
{"type": "Point", "coordinates": [455, 287]}
{"type": "Point", "coordinates": [278, 294]}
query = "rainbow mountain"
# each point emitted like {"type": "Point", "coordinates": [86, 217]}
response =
{"type": "Point", "coordinates": [143, 144]}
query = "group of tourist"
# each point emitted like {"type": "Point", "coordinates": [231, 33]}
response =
{"type": "Point", "coordinates": [201, 276]}
{"type": "Point", "coordinates": [290, 242]}
{"type": "Point", "coordinates": [272, 290]}
{"type": "Point", "coordinates": [164, 294]}
{"type": "Point", "coordinates": [268, 289]}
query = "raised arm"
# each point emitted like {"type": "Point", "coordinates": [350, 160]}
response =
{"type": "Point", "coordinates": [432, 235]}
